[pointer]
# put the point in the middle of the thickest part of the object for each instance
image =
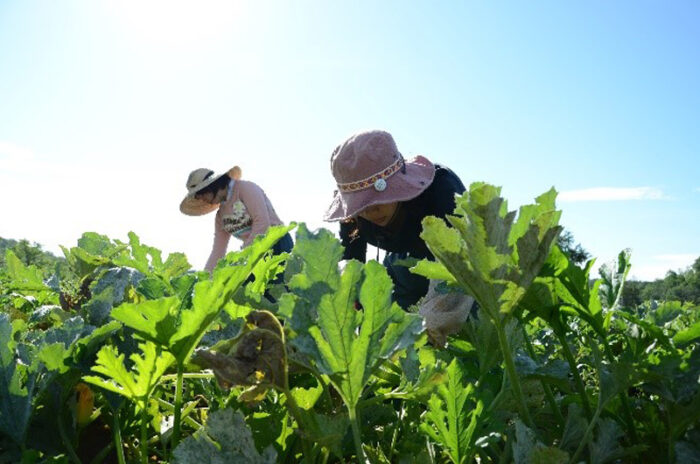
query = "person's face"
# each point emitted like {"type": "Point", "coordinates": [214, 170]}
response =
{"type": "Point", "coordinates": [380, 215]}
{"type": "Point", "coordinates": [212, 197]}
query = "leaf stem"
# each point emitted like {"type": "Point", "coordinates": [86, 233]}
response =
{"type": "Point", "coordinates": [578, 381]}
{"type": "Point", "coordinates": [144, 433]}
{"type": "Point", "coordinates": [117, 434]}
{"type": "Point", "coordinates": [100, 457]}
{"type": "Point", "coordinates": [512, 374]}
{"type": "Point", "coordinates": [355, 425]}
{"type": "Point", "coordinates": [296, 413]}
{"type": "Point", "coordinates": [586, 435]}
{"type": "Point", "coordinates": [177, 413]}
{"type": "Point", "coordinates": [547, 390]}
{"type": "Point", "coordinates": [626, 410]}
{"type": "Point", "coordinates": [291, 402]}
{"type": "Point", "coordinates": [66, 441]}
{"type": "Point", "coordinates": [188, 375]}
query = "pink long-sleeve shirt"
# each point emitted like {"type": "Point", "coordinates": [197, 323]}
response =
{"type": "Point", "coordinates": [246, 213]}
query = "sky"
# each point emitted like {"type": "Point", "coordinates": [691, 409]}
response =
{"type": "Point", "coordinates": [106, 106]}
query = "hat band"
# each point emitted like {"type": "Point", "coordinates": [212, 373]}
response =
{"type": "Point", "coordinates": [371, 180]}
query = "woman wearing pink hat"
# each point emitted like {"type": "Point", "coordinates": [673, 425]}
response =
{"type": "Point", "coordinates": [381, 200]}
{"type": "Point", "coordinates": [243, 209]}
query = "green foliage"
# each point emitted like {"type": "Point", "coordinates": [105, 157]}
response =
{"type": "Point", "coordinates": [225, 439]}
{"type": "Point", "coordinates": [453, 415]}
{"type": "Point", "coordinates": [31, 254]}
{"type": "Point", "coordinates": [178, 329]}
{"type": "Point", "coordinates": [347, 344]}
{"type": "Point", "coordinates": [555, 367]}
{"type": "Point", "coordinates": [137, 383]}
{"type": "Point", "coordinates": [490, 254]}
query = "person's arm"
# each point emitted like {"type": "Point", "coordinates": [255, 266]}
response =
{"type": "Point", "coordinates": [218, 250]}
{"type": "Point", "coordinates": [255, 203]}
{"type": "Point", "coordinates": [355, 246]}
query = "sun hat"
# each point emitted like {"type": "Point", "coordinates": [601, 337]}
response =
{"type": "Point", "coordinates": [369, 170]}
{"type": "Point", "coordinates": [198, 180]}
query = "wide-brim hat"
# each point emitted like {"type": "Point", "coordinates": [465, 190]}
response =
{"type": "Point", "coordinates": [198, 180]}
{"type": "Point", "coordinates": [369, 170]}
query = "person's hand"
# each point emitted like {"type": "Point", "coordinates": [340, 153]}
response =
{"type": "Point", "coordinates": [444, 313]}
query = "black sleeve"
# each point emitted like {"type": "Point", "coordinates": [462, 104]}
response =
{"type": "Point", "coordinates": [445, 186]}
{"type": "Point", "coordinates": [355, 246]}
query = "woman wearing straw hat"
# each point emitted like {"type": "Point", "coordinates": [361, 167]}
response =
{"type": "Point", "coordinates": [243, 209]}
{"type": "Point", "coordinates": [381, 200]}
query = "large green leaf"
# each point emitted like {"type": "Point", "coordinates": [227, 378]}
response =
{"type": "Point", "coordinates": [17, 385]}
{"type": "Point", "coordinates": [528, 450]}
{"type": "Point", "coordinates": [453, 415]}
{"type": "Point", "coordinates": [23, 277]}
{"type": "Point", "coordinates": [687, 335]}
{"type": "Point", "coordinates": [339, 340]}
{"type": "Point", "coordinates": [493, 256]}
{"type": "Point", "coordinates": [350, 342]}
{"type": "Point", "coordinates": [165, 322]}
{"type": "Point", "coordinates": [613, 277]}
{"type": "Point", "coordinates": [224, 439]}
{"type": "Point", "coordinates": [148, 260]}
{"type": "Point", "coordinates": [136, 383]}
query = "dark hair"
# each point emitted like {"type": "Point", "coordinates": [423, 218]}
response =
{"type": "Point", "coordinates": [218, 184]}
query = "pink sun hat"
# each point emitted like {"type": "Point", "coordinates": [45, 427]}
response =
{"type": "Point", "coordinates": [369, 170]}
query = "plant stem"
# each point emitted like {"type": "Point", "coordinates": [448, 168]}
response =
{"type": "Point", "coordinates": [144, 433]}
{"type": "Point", "coordinates": [496, 402]}
{"type": "Point", "coordinates": [547, 390]}
{"type": "Point", "coordinates": [117, 433]}
{"type": "Point", "coordinates": [297, 415]}
{"type": "Point", "coordinates": [395, 434]}
{"type": "Point", "coordinates": [578, 381]}
{"type": "Point", "coordinates": [512, 374]}
{"type": "Point", "coordinates": [586, 435]}
{"type": "Point", "coordinates": [188, 375]}
{"type": "Point", "coordinates": [66, 441]}
{"type": "Point", "coordinates": [100, 457]}
{"type": "Point", "coordinates": [626, 410]}
{"type": "Point", "coordinates": [291, 402]}
{"type": "Point", "coordinates": [177, 413]}
{"type": "Point", "coordinates": [170, 408]}
{"type": "Point", "coordinates": [355, 425]}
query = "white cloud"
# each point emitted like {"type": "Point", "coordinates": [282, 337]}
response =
{"type": "Point", "coordinates": [13, 156]}
{"type": "Point", "coordinates": [612, 194]}
{"type": "Point", "coordinates": [659, 265]}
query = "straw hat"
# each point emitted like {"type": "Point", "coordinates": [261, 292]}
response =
{"type": "Point", "coordinates": [198, 180]}
{"type": "Point", "coordinates": [369, 170]}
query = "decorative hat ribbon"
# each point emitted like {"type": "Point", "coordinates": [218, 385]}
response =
{"type": "Point", "coordinates": [376, 180]}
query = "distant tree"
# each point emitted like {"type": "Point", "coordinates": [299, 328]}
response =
{"type": "Point", "coordinates": [683, 286]}
{"type": "Point", "coordinates": [573, 250]}
{"type": "Point", "coordinates": [632, 293]}
{"type": "Point", "coordinates": [32, 254]}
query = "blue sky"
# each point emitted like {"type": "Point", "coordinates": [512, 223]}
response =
{"type": "Point", "coordinates": [106, 106]}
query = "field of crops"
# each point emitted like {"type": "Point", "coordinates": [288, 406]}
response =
{"type": "Point", "coordinates": [131, 357]}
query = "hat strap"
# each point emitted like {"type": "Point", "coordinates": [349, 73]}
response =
{"type": "Point", "coordinates": [370, 181]}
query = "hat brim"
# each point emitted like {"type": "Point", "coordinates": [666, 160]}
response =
{"type": "Point", "coordinates": [402, 186]}
{"type": "Point", "coordinates": [192, 206]}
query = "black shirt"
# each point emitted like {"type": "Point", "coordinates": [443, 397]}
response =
{"type": "Point", "coordinates": [402, 234]}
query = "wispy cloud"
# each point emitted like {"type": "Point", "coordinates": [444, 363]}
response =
{"type": "Point", "coordinates": [612, 194]}
{"type": "Point", "coordinates": [12, 155]}
{"type": "Point", "coordinates": [659, 265]}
